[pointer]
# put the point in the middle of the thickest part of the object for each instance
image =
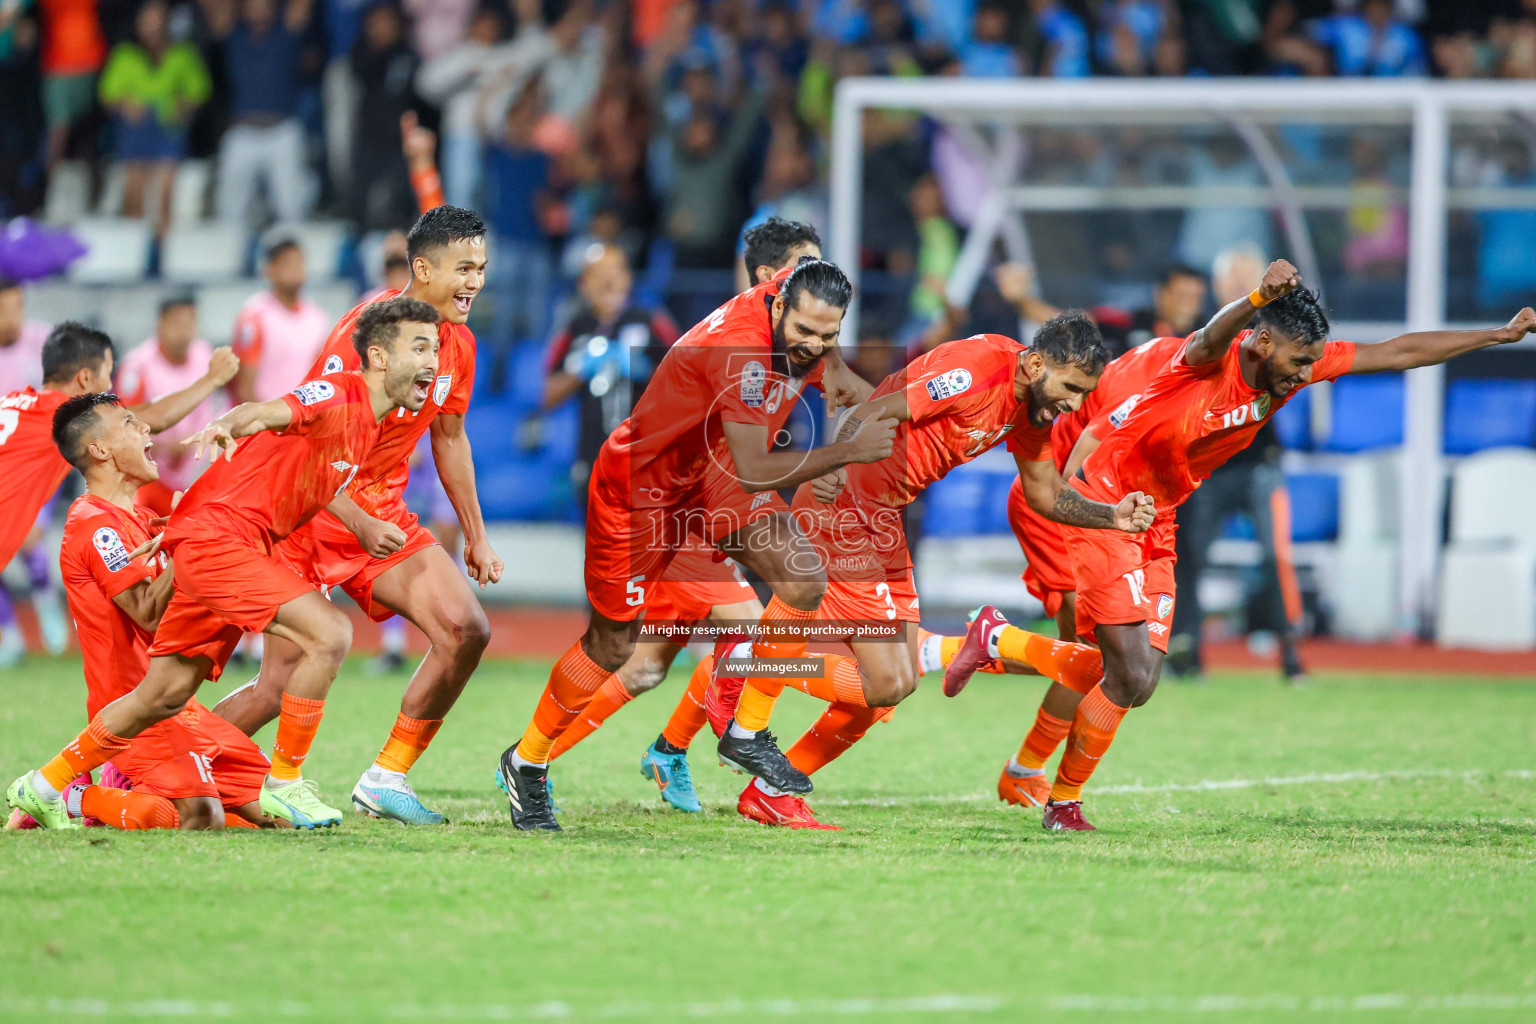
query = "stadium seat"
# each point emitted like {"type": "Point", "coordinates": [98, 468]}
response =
{"type": "Point", "coordinates": [219, 304]}
{"type": "Point", "coordinates": [954, 507]}
{"type": "Point", "coordinates": [561, 430]}
{"type": "Point", "coordinates": [189, 191]}
{"type": "Point", "coordinates": [1314, 506]}
{"type": "Point", "coordinates": [1293, 421]}
{"type": "Point", "coordinates": [1362, 583]}
{"type": "Point", "coordinates": [1488, 580]}
{"type": "Point", "coordinates": [203, 253]}
{"type": "Point", "coordinates": [323, 241]}
{"type": "Point", "coordinates": [1483, 414]}
{"type": "Point", "coordinates": [518, 489]}
{"type": "Point", "coordinates": [117, 250]}
{"type": "Point", "coordinates": [53, 301]}
{"type": "Point", "coordinates": [525, 374]}
{"type": "Point", "coordinates": [336, 297]}
{"type": "Point", "coordinates": [69, 193]}
{"type": "Point", "coordinates": [129, 315]}
{"type": "Point", "coordinates": [1367, 413]}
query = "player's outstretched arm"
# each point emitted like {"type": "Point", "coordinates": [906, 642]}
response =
{"type": "Point", "coordinates": [456, 470]}
{"type": "Point", "coordinates": [176, 406]}
{"type": "Point", "coordinates": [243, 420]}
{"type": "Point", "coordinates": [868, 434]}
{"type": "Point", "coordinates": [1211, 342]}
{"type": "Point", "coordinates": [1426, 348]}
{"type": "Point", "coordinates": [1051, 496]}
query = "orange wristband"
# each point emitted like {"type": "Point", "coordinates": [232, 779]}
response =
{"type": "Point", "coordinates": [1258, 300]}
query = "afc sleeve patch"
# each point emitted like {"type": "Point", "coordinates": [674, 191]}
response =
{"type": "Point", "coordinates": [1123, 411]}
{"type": "Point", "coordinates": [332, 365]}
{"type": "Point", "coordinates": [110, 547]}
{"type": "Point", "coordinates": [949, 384]}
{"type": "Point", "coordinates": [314, 392]}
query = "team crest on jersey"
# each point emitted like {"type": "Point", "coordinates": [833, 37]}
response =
{"type": "Point", "coordinates": [440, 389]}
{"type": "Point", "coordinates": [332, 365]}
{"type": "Point", "coordinates": [110, 547]}
{"type": "Point", "coordinates": [1164, 605]}
{"type": "Point", "coordinates": [754, 384]}
{"type": "Point", "coordinates": [1260, 407]}
{"type": "Point", "coordinates": [1123, 411]}
{"type": "Point", "coordinates": [314, 391]}
{"type": "Point", "coordinates": [947, 385]}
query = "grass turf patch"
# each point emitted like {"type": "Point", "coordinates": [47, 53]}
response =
{"type": "Point", "coordinates": [1360, 845]}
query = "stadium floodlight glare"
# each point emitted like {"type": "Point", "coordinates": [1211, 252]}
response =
{"type": "Point", "coordinates": [985, 116]}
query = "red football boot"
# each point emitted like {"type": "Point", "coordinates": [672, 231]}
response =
{"type": "Point", "coordinates": [723, 692]}
{"type": "Point", "coordinates": [786, 811]}
{"type": "Point", "coordinates": [1065, 816]}
{"type": "Point", "coordinates": [972, 655]}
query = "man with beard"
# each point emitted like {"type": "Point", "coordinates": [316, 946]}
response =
{"type": "Point", "coordinates": [1207, 405]}
{"type": "Point", "coordinates": [716, 390]}
{"type": "Point", "coordinates": [954, 403]}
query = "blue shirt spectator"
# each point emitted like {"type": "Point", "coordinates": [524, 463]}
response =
{"type": "Point", "coordinates": [343, 19]}
{"type": "Point", "coordinates": [1066, 40]}
{"type": "Point", "coordinates": [1143, 18]}
{"type": "Point", "coordinates": [516, 180]}
{"type": "Point", "coordinates": [263, 68]}
{"type": "Point", "coordinates": [988, 54]}
{"type": "Point", "coordinates": [1371, 42]}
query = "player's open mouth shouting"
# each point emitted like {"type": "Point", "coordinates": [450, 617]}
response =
{"type": "Point", "coordinates": [462, 300]}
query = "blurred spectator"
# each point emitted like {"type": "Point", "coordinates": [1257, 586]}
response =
{"type": "Point", "coordinates": [1251, 483]}
{"type": "Point", "coordinates": [1131, 33]}
{"type": "Point", "coordinates": [437, 26]}
{"type": "Point", "coordinates": [153, 86]}
{"type": "Point", "coordinates": [605, 354]}
{"type": "Point", "coordinates": [989, 54]}
{"type": "Point", "coordinates": [341, 21]}
{"type": "Point", "coordinates": [1178, 299]}
{"type": "Point", "coordinates": [791, 187]}
{"type": "Point", "coordinates": [22, 128]}
{"type": "Point", "coordinates": [1371, 41]}
{"type": "Point", "coordinates": [1288, 50]}
{"type": "Point", "coordinates": [385, 69]}
{"type": "Point", "coordinates": [938, 250]}
{"type": "Point", "coordinates": [173, 359]}
{"type": "Point", "coordinates": [452, 80]}
{"type": "Point", "coordinates": [264, 144]}
{"type": "Point", "coordinates": [1377, 246]}
{"type": "Point", "coordinates": [279, 332]}
{"type": "Point", "coordinates": [21, 341]}
{"type": "Point", "coordinates": [517, 179]}
{"type": "Point", "coordinates": [704, 206]}
{"type": "Point", "coordinates": [74, 47]}
{"type": "Point", "coordinates": [1063, 40]}
{"type": "Point", "coordinates": [567, 56]}
{"type": "Point", "coordinates": [1207, 230]}
{"type": "Point", "coordinates": [1506, 253]}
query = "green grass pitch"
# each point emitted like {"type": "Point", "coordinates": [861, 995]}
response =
{"type": "Point", "coordinates": [1399, 883]}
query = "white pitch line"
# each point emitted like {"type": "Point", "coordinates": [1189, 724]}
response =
{"type": "Point", "coordinates": [1206, 785]}
{"type": "Point", "coordinates": [1376, 1002]}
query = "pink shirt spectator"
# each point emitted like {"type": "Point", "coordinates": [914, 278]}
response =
{"type": "Point", "coordinates": [438, 25]}
{"type": "Point", "coordinates": [21, 362]}
{"type": "Point", "coordinates": [145, 375]}
{"type": "Point", "coordinates": [281, 343]}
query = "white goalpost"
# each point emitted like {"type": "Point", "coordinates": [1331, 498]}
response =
{"type": "Point", "coordinates": [986, 117]}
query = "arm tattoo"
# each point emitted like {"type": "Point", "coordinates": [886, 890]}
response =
{"type": "Point", "coordinates": [1073, 509]}
{"type": "Point", "coordinates": [849, 428]}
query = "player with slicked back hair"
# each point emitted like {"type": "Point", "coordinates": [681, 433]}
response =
{"type": "Point", "coordinates": [1220, 386]}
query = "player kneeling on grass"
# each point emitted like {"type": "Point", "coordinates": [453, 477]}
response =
{"type": "Point", "coordinates": [193, 771]}
{"type": "Point", "coordinates": [304, 450]}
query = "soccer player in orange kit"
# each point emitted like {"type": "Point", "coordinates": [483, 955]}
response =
{"type": "Point", "coordinates": [368, 543]}
{"type": "Point", "coordinates": [958, 401]}
{"type": "Point", "coordinates": [306, 447]}
{"type": "Point", "coordinates": [1206, 405]}
{"type": "Point", "coordinates": [716, 386]}
{"type": "Point", "coordinates": [192, 771]}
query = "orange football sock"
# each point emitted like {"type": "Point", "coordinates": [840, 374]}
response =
{"type": "Point", "coordinates": [1093, 730]}
{"type": "Point", "coordinates": [123, 809]}
{"type": "Point", "coordinates": [94, 747]}
{"type": "Point", "coordinates": [688, 717]}
{"type": "Point", "coordinates": [1042, 739]}
{"type": "Point", "coordinates": [609, 698]}
{"type": "Point", "coordinates": [838, 682]}
{"type": "Point", "coordinates": [233, 820]}
{"type": "Point", "coordinates": [838, 728]}
{"type": "Point", "coordinates": [949, 646]}
{"type": "Point", "coordinates": [572, 682]}
{"type": "Point", "coordinates": [297, 723]}
{"type": "Point", "coordinates": [1078, 667]}
{"type": "Point", "coordinates": [781, 634]}
{"type": "Point", "coordinates": [408, 740]}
